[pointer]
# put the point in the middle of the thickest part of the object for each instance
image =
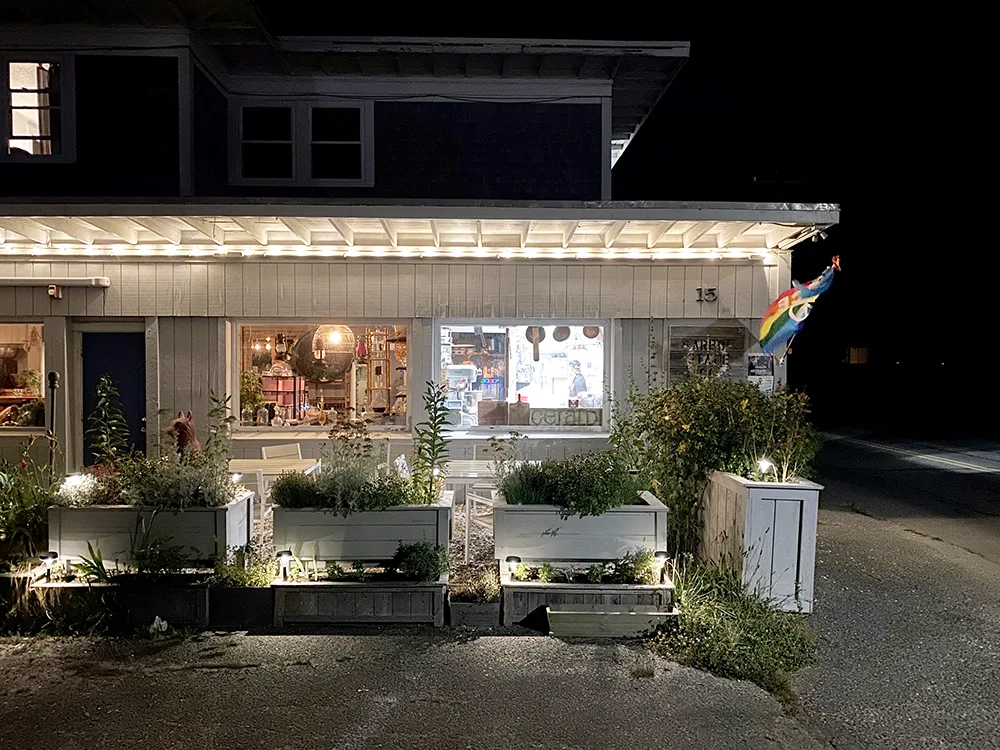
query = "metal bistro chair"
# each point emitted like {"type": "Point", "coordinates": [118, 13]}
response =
{"type": "Point", "coordinates": [287, 450]}
{"type": "Point", "coordinates": [254, 481]}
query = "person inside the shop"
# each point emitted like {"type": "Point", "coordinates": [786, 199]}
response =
{"type": "Point", "coordinates": [578, 385]}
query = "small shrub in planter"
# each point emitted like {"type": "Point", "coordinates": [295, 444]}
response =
{"type": "Point", "coordinates": [475, 585]}
{"type": "Point", "coordinates": [638, 567]}
{"type": "Point", "coordinates": [249, 566]}
{"type": "Point", "coordinates": [585, 485]}
{"type": "Point", "coordinates": [421, 561]}
{"type": "Point", "coordinates": [27, 491]}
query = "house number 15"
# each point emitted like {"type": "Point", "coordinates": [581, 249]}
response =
{"type": "Point", "coordinates": [707, 293]}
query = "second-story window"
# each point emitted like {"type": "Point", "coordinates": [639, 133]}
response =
{"type": "Point", "coordinates": [301, 143]}
{"type": "Point", "coordinates": [37, 113]}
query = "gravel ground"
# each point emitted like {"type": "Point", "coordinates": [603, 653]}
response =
{"type": "Point", "coordinates": [402, 688]}
{"type": "Point", "coordinates": [910, 625]}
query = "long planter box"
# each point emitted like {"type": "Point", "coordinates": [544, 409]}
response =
{"type": "Point", "coordinates": [367, 536]}
{"type": "Point", "coordinates": [769, 531]}
{"type": "Point", "coordinates": [206, 533]}
{"type": "Point", "coordinates": [538, 532]}
{"type": "Point", "coordinates": [178, 605]}
{"type": "Point", "coordinates": [350, 602]}
{"type": "Point", "coordinates": [524, 598]}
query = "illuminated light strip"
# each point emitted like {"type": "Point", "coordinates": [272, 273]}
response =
{"type": "Point", "coordinates": [232, 251]}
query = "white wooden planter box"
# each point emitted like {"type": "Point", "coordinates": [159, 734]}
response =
{"type": "Point", "coordinates": [769, 529]}
{"type": "Point", "coordinates": [205, 533]}
{"type": "Point", "coordinates": [538, 532]}
{"type": "Point", "coordinates": [351, 602]}
{"type": "Point", "coordinates": [368, 536]}
{"type": "Point", "coordinates": [522, 598]}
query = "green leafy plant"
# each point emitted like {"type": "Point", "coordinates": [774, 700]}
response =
{"type": "Point", "coordinates": [27, 490]}
{"type": "Point", "coordinates": [546, 573]}
{"type": "Point", "coordinates": [595, 574]}
{"type": "Point", "coordinates": [249, 566]}
{"type": "Point", "coordinates": [334, 572]}
{"type": "Point", "coordinates": [153, 555]}
{"type": "Point", "coordinates": [360, 570]}
{"type": "Point", "coordinates": [91, 566]}
{"type": "Point", "coordinates": [726, 630]}
{"type": "Point", "coordinates": [636, 567]}
{"type": "Point", "coordinates": [477, 584]}
{"type": "Point", "coordinates": [586, 485]}
{"type": "Point", "coordinates": [251, 390]}
{"type": "Point", "coordinates": [30, 380]}
{"type": "Point", "coordinates": [521, 572]}
{"type": "Point", "coordinates": [293, 490]}
{"type": "Point", "coordinates": [108, 434]}
{"type": "Point", "coordinates": [421, 561]}
{"type": "Point", "coordinates": [430, 449]}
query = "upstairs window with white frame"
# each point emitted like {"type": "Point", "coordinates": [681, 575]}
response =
{"type": "Point", "coordinates": [38, 108]}
{"type": "Point", "coordinates": [301, 143]}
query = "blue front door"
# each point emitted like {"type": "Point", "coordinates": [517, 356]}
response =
{"type": "Point", "coordinates": [123, 357]}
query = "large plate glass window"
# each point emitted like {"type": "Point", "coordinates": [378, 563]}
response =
{"type": "Point", "coordinates": [539, 375]}
{"type": "Point", "coordinates": [22, 362]}
{"type": "Point", "coordinates": [302, 375]}
{"type": "Point", "coordinates": [37, 113]}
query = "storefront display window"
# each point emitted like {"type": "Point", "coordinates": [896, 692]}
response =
{"type": "Point", "coordinates": [316, 375]}
{"type": "Point", "coordinates": [540, 375]}
{"type": "Point", "coordinates": [21, 366]}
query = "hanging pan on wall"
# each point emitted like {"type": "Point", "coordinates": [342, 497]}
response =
{"type": "Point", "coordinates": [591, 332]}
{"type": "Point", "coordinates": [535, 334]}
{"type": "Point", "coordinates": [561, 333]}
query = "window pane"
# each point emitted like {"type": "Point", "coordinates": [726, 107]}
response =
{"type": "Point", "coordinates": [267, 160]}
{"type": "Point", "coordinates": [29, 99]}
{"type": "Point", "coordinates": [21, 366]}
{"type": "Point", "coordinates": [487, 368]}
{"type": "Point", "coordinates": [36, 77]}
{"type": "Point", "coordinates": [306, 371]}
{"type": "Point", "coordinates": [267, 124]}
{"type": "Point", "coordinates": [336, 124]}
{"type": "Point", "coordinates": [336, 162]}
{"type": "Point", "coordinates": [29, 146]}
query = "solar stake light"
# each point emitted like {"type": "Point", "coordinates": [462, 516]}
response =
{"type": "Point", "coordinates": [48, 558]}
{"type": "Point", "coordinates": [661, 562]}
{"type": "Point", "coordinates": [764, 465]}
{"type": "Point", "coordinates": [284, 559]}
{"type": "Point", "coordinates": [512, 562]}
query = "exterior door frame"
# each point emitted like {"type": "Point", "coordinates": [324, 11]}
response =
{"type": "Point", "coordinates": [74, 445]}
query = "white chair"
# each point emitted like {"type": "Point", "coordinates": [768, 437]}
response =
{"type": "Point", "coordinates": [254, 481]}
{"type": "Point", "coordinates": [288, 450]}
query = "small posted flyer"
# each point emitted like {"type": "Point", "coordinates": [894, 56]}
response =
{"type": "Point", "coordinates": [760, 371]}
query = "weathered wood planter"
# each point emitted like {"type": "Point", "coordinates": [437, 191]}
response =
{"type": "Point", "coordinates": [538, 532]}
{"type": "Point", "coordinates": [206, 533]}
{"type": "Point", "coordinates": [474, 614]}
{"type": "Point", "coordinates": [366, 536]}
{"type": "Point", "coordinates": [523, 598]}
{"type": "Point", "coordinates": [351, 602]}
{"type": "Point", "coordinates": [178, 605]}
{"type": "Point", "coordinates": [769, 530]}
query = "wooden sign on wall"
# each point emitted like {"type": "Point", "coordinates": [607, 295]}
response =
{"type": "Point", "coordinates": [714, 350]}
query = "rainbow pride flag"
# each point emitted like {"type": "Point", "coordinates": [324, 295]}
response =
{"type": "Point", "coordinates": [784, 317]}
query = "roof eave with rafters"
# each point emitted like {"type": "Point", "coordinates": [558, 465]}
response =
{"type": "Point", "coordinates": [612, 230]}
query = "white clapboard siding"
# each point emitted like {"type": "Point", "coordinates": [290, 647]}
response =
{"type": "Point", "coordinates": [369, 535]}
{"type": "Point", "coordinates": [204, 533]}
{"type": "Point", "coordinates": [539, 532]}
{"type": "Point", "coordinates": [358, 289]}
{"type": "Point", "coordinates": [191, 365]}
{"type": "Point", "coordinates": [768, 530]}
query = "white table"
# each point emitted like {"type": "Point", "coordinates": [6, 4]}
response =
{"type": "Point", "coordinates": [271, 469]}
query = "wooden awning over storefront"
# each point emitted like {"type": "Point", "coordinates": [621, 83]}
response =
{"type": "Point", "coordinates": [601, 231]}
